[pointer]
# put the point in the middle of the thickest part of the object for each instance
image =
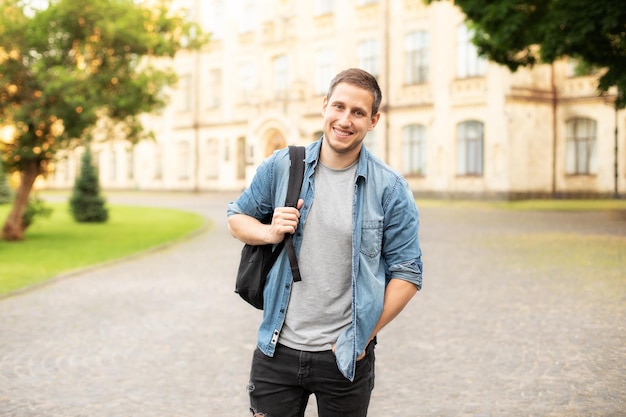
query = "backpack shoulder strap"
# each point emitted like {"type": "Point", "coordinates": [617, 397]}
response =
{"type": "Point", "coordinates": [296, 177]}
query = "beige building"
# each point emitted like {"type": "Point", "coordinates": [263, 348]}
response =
{"type": "Point", "coordinates": [452, 123]}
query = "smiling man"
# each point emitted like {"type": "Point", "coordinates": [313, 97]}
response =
{"type": "Point", "coordinates": [356, 234]}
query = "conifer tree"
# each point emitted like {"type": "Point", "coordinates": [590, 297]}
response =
{"type": "Point", "coordinates": [86, 204]}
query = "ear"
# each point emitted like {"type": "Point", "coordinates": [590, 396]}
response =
{"type": "Point", "coordinates": [324, 104]}
{"type": "Point", "coordinates": [375, 119]}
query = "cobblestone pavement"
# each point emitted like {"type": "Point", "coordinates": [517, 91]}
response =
{"type": "Point", "coordinates": [522, 314]}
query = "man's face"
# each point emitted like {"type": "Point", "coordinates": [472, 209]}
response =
{"type": "Point", "coordinates": [347, 119]}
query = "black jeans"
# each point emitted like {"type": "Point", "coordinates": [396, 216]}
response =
{"type": "Point", "coordinates": [280, 386]}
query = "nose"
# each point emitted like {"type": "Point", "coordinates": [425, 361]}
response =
{"type": "Point", "coordinates": [344, 119]}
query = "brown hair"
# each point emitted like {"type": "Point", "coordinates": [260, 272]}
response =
{"type": "Point", "coordinates": [358, 78]}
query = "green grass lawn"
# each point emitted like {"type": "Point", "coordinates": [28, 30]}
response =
{"type": "Point", "coordinates": [58, 244]}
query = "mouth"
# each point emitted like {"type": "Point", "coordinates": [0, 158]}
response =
{"type": "Point", "coordinates": [341, 133]}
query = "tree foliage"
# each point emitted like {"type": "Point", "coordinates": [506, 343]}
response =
{"type": "Point", "coordinates": [522, 33]}
{"type": "Point", "coordinates": [86, 203]}
{"type": "Point", "coordinates": [64, 67]}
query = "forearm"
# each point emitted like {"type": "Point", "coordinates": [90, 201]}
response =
{"type": "Point", "coordinates": [397, 295]}
{"type": "Point", "coordinates": [249, 230]}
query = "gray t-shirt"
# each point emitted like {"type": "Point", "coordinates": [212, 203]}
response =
{"type": "Point", "coordinates": [320, 307]}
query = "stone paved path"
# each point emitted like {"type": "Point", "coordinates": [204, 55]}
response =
{"type": "Point", "coordinates": [518, 317]}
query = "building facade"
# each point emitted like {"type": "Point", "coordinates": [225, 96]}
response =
{"type": "Point", "coordinates": [451, 122]}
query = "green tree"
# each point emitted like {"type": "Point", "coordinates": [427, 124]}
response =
{"type": "Point", "coordinates": [73, 63]}
{"type": "Point", "coordinates": [6, 195]}
{"type": "Point", "coordinates": [522, 33]}
{"type": "Point", "coordinates": [86, 203]}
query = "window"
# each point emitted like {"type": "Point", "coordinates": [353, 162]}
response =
{"type": "Point", "coordinates": [468, 63]}
{"type": "Point", "coordinates": [214, 95]}
{"type": "Point", "coordinates": [191, 14]}
{"type": "Point", "coordinates": [63, 168]}
{"type": "Point", "coordinates": [579, 68]}
{"type": "Point", "coordinates": [324, 69]}
{"type": "Point", "coordinates": [184, 160]}
{"type": "Point", "coordinates": [470, 148]}
{"type": "Point", "coordinates": [323, 6]}
{"type": "Point", "coordinates": [247, 80]}
{"type": "Point", "coordinates": [281, 74]}
{"type": "Point", "coordinates": [581, 146]}
{"type": "Point", "coordinates": [416, 58]}
{"type": "Point", "coordinates": [130, 163]}
{"type": "Point", "coordinates": [215, 25]}
{"type": "Point", "coordinates": [368, 57]}
{"type": "Point", "coordinates": [184, 93]}
{"type": "Point", "coordinates": [212, 164]}
{"type": "Point", "coordinates": [370, 142]}
{"type": "Point", "coordinates": [112, 165]}
{"type": "Point", "coordinates": [248, 16]}
{"type": "Point", "coordinates": [158, 162]}
{"type": "Point", "coordinates": [317, 135]}
{"type": "Point", "coordinates": [414, 150]}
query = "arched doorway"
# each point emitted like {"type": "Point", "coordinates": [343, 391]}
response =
{"type": "Point", "coordinates": [273, 140]}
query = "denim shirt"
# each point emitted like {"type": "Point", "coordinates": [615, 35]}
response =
{"type": "Point", "coordinates": [384, 244]}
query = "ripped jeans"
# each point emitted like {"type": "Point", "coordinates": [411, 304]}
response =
{"type": "Point", "coordinates": [280, 386]}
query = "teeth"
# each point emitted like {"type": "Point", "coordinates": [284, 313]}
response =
{"type": "Point", "coordinates": [342, 132]}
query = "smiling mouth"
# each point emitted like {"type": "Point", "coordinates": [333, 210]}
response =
{"type": "Point", "coordinates": [342, 133]}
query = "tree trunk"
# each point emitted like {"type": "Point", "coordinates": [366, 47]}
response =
{"type": "Point", "coordinates": [14, 226]}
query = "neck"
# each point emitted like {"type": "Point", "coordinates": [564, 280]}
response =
{"type": "Point", "coordinates": [338, 160]}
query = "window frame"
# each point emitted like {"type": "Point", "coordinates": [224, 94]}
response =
{"type": "Point", "coordinates": [368, 56]}
{"type": "Point", "coordinates": [414, 161]}
{"type": "Point", "coordinates": [581, 143]}
{"type": "Point", "coordinates": [468, 63]}
{"type": "Point", "coordinates": [470, 138]}
{"type": "Point", "coordinates": [416, 55]}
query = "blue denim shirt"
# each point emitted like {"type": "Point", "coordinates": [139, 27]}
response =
{"type": "Point", "coordinates": [384, 244]}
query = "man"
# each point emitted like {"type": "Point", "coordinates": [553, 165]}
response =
{"type": "Point", "coordinates": [356, 234]}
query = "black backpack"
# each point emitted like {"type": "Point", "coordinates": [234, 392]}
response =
{"type": "Point", "coordinates": [257, 260]}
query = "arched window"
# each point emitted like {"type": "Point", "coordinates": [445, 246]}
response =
{"type": "Point", "coordinates": [416, 58]}
{"type": "Point", "coordinates": [414, 150]}
{"type": "Point", "coordinates": [581, 158]}
{"type": "Point", "coordinates": [470, 148]}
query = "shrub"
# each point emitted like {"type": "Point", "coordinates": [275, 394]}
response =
{"type": "Point", "coordinates": [36, 207]}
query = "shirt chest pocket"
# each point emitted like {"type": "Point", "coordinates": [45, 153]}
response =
{"type": "Point", "coordinates": [371, 237]}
